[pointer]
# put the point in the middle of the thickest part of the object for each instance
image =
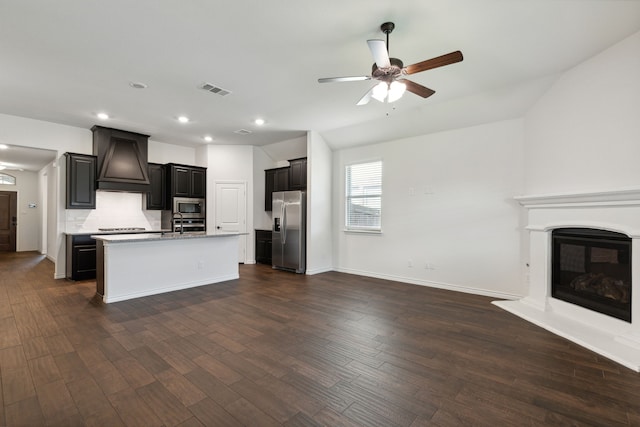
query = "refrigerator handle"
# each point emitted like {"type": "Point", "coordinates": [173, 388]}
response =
{"type": "Point", "coordinates": [284, 223]}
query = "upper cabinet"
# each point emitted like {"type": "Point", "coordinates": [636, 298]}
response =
{"type": "Point", "coordinates": [156, 198]}
{"type": "Point", "coordinates": [292, 177]}
{"type": "Point", "coordinates": [81, 181]}
{"type": "Point", "coordinates": [274, 180]}
{"type": "Point", "coordinates": [187, 181]}
{"type": "Point", "coordinates": [298, 174]}
{"type": "Point", "coordinates": [198, 178]}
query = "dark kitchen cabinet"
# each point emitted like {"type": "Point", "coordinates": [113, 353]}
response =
{"type": "Point", "coordinates": [263, 246]}
{"type": "Point", "coordinates": [81, 257]}
{"type": "Point", "coordinates": [269, 181]}
{"type": "Point", "coordinates": [298, 174]}
{"type": "Point", "coordinates": [274, 180]}
{"type": "Point", "coordinates": [81, 181]}
{"type": "Point", "coordinates": [198, 178]}
{"type": "Point", "coordinates": [156, 198]}
{"type": "Point", "coordinates": [187, 181]}
{"type": "Point", "coordinates": [281, 182]}
{"type": "Point", "coordinates": [180, 181]}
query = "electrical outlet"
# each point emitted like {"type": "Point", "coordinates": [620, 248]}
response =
{"type": "Point", "coordinates": [200, 265]}
{"type": "Point", "coordinates": [409, 263]}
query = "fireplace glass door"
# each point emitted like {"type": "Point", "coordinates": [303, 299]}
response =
{"type": "Point", "coordinates": [592, 268]}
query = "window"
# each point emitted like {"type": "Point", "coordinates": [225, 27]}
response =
{"type": "Point", "coordinates": [7, 179]}
{"type": "Point", "coordinates": [364, 196]}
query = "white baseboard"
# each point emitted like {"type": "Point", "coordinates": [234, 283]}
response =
{"type": "Point", "coordinates": [431, 284]}
{"type": "Point", "coordinates": [311, 272]}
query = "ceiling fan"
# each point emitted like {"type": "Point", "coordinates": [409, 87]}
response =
{"type": "Point", "coordinates": [391, 71]}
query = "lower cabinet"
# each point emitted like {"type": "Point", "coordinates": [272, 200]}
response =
{"type": "Point", "coordinates": [81, 257]}
{"type": "Point", "coordinates": [263, 246]}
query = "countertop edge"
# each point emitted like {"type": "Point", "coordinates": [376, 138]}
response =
{"type": "Point", "coordinates": [150, 237]}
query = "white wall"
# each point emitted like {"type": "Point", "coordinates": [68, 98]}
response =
{"type": "Point", "coordinates": [584, 133]}
{"type": "Point", "coordinates": [49, 210]}
{"type": "Point", "coordinates": [289, 149]}
{"type": "Point", "coordinates": [231, 163]}
{"type": "Point", "coordinates": [261, 162]}
{"type": "Point", "coordinates": [162, 153]}
{"type": "Point", "coordinates": [319, 207]}
{"type": "Point", "coordinates": [447, 204]}
{"type": "Point", "coordinates": [27, 189]}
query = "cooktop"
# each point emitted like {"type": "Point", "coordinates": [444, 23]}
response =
{"type": "Point", "coordinates": [122, 229]}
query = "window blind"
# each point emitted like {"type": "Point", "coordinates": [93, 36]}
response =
{"type": "Point", "coordinates": [364, 196]}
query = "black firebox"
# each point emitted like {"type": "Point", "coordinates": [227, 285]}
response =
{"type": "Point", "coordinates": [592, 268]}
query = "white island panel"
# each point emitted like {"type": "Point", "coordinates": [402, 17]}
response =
{"type": "Point", "coordinates": [141, 267]}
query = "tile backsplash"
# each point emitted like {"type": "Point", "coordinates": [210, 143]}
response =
{"type": "Point", "coordinates": [113, 209]}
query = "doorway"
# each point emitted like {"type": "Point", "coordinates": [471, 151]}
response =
{"type": "Point", "coordinates": [8, 220]}
{"type": "Point", "coordinates": [231, 212]}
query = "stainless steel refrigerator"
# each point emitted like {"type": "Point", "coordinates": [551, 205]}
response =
{"type": "Point", "coordinates": [288, 247]}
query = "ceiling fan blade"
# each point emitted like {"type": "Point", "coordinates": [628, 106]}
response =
{"type": "Point", "coordinates": [379, 51]}
{"type": "Point", "coordinates": [418, 89]}
{"type": "Point", "coordinates": [343, 79]}
{"type": "Point", "coordinates": [366, 98]}
{"type": "Point", "coordinates": [440, 61]}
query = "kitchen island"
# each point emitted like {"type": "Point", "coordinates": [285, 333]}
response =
{"type": "Point", "coordinates": [136, 265]}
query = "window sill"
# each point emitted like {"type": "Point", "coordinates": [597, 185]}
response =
{"type": "Point", "coordinates": [354, 231]}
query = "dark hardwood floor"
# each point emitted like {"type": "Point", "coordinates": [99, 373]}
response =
{"type": "Point", "coordinates": [276, 348]}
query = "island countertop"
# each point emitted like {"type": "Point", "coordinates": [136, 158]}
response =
{"type": "Point", "coordinates": [163, 236]}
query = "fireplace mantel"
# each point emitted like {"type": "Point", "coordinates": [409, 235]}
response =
{"type": "Point", "coordinates": [627, 197]}
{"type": "Point", "coordinates": [617, 210]}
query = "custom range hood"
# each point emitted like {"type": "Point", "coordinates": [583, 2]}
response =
{"type": "Point", "coordinates": [122, 160]}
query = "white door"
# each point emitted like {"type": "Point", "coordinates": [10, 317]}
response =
{"type": "Point", "coordinates": [231, 212]}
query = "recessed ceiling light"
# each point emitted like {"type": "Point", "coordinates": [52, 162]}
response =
{"type": "Point", "coordinates": [208, 138]}
{"type": "Point", "coordinates": [4, 146]}
{"type": "Point", "coordinates": [102, 116]}
{"type": "Point", "coordinates": [183, 119]}
{"type": "Point", "coordinates": [259, 122]}
{"type": "Point", "coordinates": [137, 85]}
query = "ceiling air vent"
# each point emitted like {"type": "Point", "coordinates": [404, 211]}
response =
{"type": "Point", "coordinates": [242, 132]}
{"type": "Point", "coordinates": [215, 89]}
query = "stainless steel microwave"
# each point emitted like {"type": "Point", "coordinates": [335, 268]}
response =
{"type": "Point", "coordinates": [189, 208]}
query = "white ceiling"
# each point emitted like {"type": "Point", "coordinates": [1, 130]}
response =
{"type": "Point", "coordinates": [63, 61]}
{"type": "Point", "coordinates": [17, 158]}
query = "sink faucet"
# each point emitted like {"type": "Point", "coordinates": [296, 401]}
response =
{"type": "Point", "coordinates": [181, 222]}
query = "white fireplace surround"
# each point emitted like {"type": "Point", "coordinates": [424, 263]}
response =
{"type": "Point", "coordinates": [609, 210]}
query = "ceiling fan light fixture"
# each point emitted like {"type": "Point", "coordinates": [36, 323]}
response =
{"type": "Point", "coordinates": [380, 91]}
{"type": "Point", "coordinates": [396, 90]}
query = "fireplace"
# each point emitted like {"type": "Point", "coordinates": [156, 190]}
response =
{"type": "Point", "coordinates": [586, 294]}
{"type": "Point", "coordinates": [592, 268]}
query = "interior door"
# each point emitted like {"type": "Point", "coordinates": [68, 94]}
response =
{"type": "Point", "coordinates": [231, 212]}
{"type": "Point", "coordinates": [8, 221]}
